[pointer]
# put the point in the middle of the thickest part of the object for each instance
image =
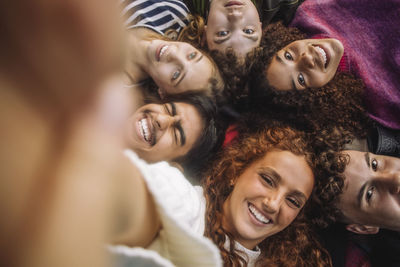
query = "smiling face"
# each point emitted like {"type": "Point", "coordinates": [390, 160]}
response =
{"type": "Point", "coordinates": [233, 23]}
{"type": "Point", "coordinates": [371, 195]}
{"type": "Point", "coordinates": [267, 197]}
{"type": "Point", "coordinates": [309, 63]}
{"type": "Point", "coordinates": [158, 132]}
{"type": "Point", "coordinates": [178, 67]}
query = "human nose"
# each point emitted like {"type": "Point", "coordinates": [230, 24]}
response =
{"type": "Point", "coordinates": [164, 121]}
{"type": "Point", "coordinates": [234, 14]}
{"type": "Point", "coordinates": [391, 179]}
{"type": "Point", "coordinates": [306, 59]}
{"type": "Point", "coordinates": [272, 202]}
{"type": "Point", "coordinates": [177, 54]}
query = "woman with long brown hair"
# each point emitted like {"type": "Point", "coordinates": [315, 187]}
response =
{"type": "Point", "coordinates": [156, 61]}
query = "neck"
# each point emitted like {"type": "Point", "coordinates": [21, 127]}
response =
{"type": "Point", "coordinates": [228, 227]}
{"type": "Point", "coordinates": [138, 41]}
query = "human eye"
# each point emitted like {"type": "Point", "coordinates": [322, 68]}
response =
{"type": "Point", "coordinates": [374, 165]}
{"type": "Point", "coordinates": [369, 194]}
{"type": "Point", "coordinates": [293, 202]}
{"type": "Point", "coordinates": [248, 31]}
{"type": "Point", "coordinates": [301, 80]}
{"type": "Point", "coordinates": [267, 179]}
{"type": "Point", "coordinates": [222, 33]}
{"type": "Point", "coordinates": [288, 56]}
{"type": "Point", "coordinates": [176, 75]}
{"type": "Point", "coordinates": [192, 55]}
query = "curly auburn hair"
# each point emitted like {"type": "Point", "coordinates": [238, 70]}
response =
{"type": "Point", "coordinates": [295, 245]}
{"type": "Point", "coordinates": [327, 145]}
{"type": "Point", "coordinates": [193, 32]}
{"type": "Point", "coordinates": [337, 104]}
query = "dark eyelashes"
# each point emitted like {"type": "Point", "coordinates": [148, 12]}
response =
{"type": "Point", "coordinates": [271, 182]}
{"type": "Point", "coordinates": [296, 203]}
{"type": "Point", "coordinates": [267, 179]}
{"type": "Point", "coordinates": [369, 193]}
{"type": "Point", "coordinates": [288, 56]}
{"type": "Point", "coordinates": [374, 164]}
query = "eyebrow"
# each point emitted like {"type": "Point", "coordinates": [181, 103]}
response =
{"type": "Point", "coordinates": [199, 58]}
{"type": "Point", "coordinates": [362, 189]}
{"type": "Point", "coordinates": [367, 159]}
{"type": "Point", "coordinates": [184, 74]}
{"type": "Point", "coordinates": [178, 126]}
{"type": "Point", "coordinates": [277, 176]}
{"type": "Point", "coordinates": [360, 194]}
{"type": "Point", "coordinates": [280, 60]}
{"type": "Point", "coordinates": [254, 38]}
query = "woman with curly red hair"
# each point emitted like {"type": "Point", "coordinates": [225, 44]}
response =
{"type": "Point", "coordinates": [251, 206]}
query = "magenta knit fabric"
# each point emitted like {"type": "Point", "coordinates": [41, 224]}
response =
{"type": "Point", "coordinates": [370, 33]}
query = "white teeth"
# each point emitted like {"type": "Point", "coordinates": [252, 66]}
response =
{"type": "Point", "coordinates": [163, 49]}
{"type": "Point", "coordinates": [145, 129]}
{"type": "Point", "coordinates": [258, 215]}
{"type": "Point", "coordinates": [322, 52]}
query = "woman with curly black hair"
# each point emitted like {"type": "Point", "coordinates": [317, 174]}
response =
{"type": "Point", "coordinates": [356, 44]}
{"type": "Point", "coordinates": [370, 36]}
{"type": "Point", "coordinates": [336, 103]}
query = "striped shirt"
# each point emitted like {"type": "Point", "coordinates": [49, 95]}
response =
{"type": "Point", "coordinates": [158, 15]}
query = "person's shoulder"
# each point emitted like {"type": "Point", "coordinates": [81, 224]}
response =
{"type": "Point", "coordinates": [386, 249]}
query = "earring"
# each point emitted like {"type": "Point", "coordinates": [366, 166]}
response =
{"type": "Point", "coordinates": [231, 183]}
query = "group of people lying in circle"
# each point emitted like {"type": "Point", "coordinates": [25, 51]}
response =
{"type": "Point", "coordinates": [247, 143]}
{"type": "Point", "coordinates": [262, 81]}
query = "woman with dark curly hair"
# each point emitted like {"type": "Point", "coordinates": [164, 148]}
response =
{"type": "Point", "coordinates": [364, 47]}
{"type": "Point", "coordinates": [369, 32]}
{"type": "Point", "coordinates": [336, 103]}
{"type": "Point", "coordinates": [252, 207]}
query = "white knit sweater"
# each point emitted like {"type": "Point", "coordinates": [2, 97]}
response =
{"type": "Point", "coordinates": [181, 207]}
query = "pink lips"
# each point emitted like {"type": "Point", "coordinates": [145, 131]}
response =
{"type": "Point", "coordinates": [234, 3]}
{"type": "Point", "coordinates": [158, 51]}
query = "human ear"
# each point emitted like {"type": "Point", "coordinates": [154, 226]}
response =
{"type": "Point", "coordinates": [204, 37]}
{"type": "Point", "coordinates": [161, 93]}
{"type": "Point", "coordinates": [362, 229]}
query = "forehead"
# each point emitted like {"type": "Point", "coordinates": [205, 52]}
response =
{"type": "Point", "coordinates": [357, 171]}
{"type": "Point", "coordinates": [356, 174]}
{"type": "Point", "coordinates": [296, 174]}
{"type": "Point", "coordinates": [299, 43]}
{"type": "Point", "coordinates": [279, 75]}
